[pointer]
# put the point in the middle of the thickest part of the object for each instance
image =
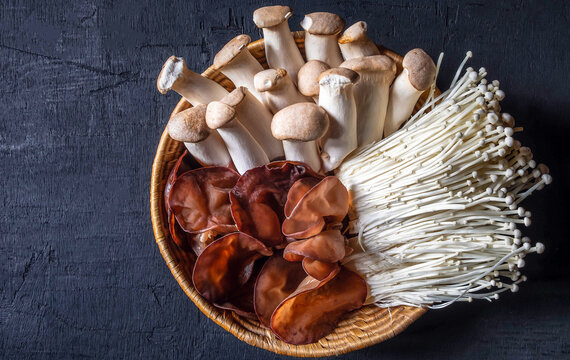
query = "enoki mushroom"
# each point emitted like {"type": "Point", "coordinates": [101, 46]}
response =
{"type": "Point", "coordinates": [436, 205]}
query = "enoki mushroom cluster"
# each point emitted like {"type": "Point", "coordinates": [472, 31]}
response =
{"type": "Point", "coordinates": [436, 206]}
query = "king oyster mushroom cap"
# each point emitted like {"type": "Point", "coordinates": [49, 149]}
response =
{"type": "Point", "coordinates": [321, 35]}
{"type": "Point", "coordinates": [277, 89]}
{"type": "Point", "coordinates": [299, 126]}
{"type": "Point", "coordinates": [244, 150]}
{"type": "Point", "coordinates": [308, 76]}
{"type": "Point", "coordinates": [371, 94]}
{"type": "Point", "coordinates": [236, 62]}
{"type": "Point", "coordinates": [337, 98]}
{"type": "Point", "coordinates": [354, 42]}
{"type": "Point", "coordinates": [257, 120]}
{"type": "Point", "coordinates": [205, 145]}
{"type": "Point", "coordinates": [195, 88]}
{"type": "Point", "coordinates": [417, 76]}
{"type": "Point", "coordinates": [281, 51]}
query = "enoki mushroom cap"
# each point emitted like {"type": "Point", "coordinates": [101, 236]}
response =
{"type": "Point", "coordinates": [189, 125]}
{"type": "Point", "coordinates": [300, 122]}
{"type": "Point", "coordinates": [270, 16]}
{"type": "Point", "coordinates": [421, 69]}
{"type": "Point", "coordinates": [322, 23]}
{"type": "Point", "coordinates": [269, 79]}
{"type": "Point", "coordinates": [232, 49]}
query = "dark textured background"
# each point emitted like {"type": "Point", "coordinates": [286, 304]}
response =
{"type": "Point", "coordinates": [80, 119]}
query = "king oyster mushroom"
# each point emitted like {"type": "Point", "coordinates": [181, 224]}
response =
{"type": "Point", "coordinates": [257, 120]}
{"type": "Point", "coordinates": [321, 36]}
{"type": "Point", "coordinates": [193, 87]}
{"type": "Point", "coordinates": [354, 42]}
{"type": "Point", "coordinates": [205, 145]}
{"type": "Point", "coordinates": [277, 89]}
{"type": "Point", "coordinates": [371, 94]}
{"type": "Point", "coordinates": [300, 126]}
{"type": "Point", "coordinates": [244, 150]}
{"type": "Point", "coordinates": [236, 62]}
{"type": "Point", "coordinates": [417, 76]}
{"type": "Point", "coordinates": [308, 76]}
{"type": "Point", "coordinates": [281, 51]}
{"type": "Point", "coordinates": [337, 98]}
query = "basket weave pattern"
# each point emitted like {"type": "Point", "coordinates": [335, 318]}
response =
{"type": "Point", "coordinates": [360, 328]}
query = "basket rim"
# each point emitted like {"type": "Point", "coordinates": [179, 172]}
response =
{"type": "Point", "coordinates": [402, 316]}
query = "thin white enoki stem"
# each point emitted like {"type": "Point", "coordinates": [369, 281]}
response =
{"type": "Point", "coordinates": [432, 87]}
{"type": "Point", "coordinates": [436, 204]}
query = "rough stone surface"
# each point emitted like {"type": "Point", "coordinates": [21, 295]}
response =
{"type": "Point", "coordinates": [80, 274]}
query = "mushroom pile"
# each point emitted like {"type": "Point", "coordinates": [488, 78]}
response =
{"type": "Point", "coordinates": [272, 113]}
{"type": "Point", "coordinates": [433, 200]}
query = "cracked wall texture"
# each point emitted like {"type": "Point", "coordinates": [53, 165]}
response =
{"type": "Point", "coordinates": [80, 274]}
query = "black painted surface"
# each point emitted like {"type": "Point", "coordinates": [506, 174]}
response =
{"type": "Point", "coordinates": [80, 119]}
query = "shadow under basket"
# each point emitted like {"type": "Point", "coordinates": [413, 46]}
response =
{"type": "Point", "coordinates": [360, 328]}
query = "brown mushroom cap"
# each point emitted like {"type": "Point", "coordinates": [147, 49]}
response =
{"type": "Point", "coordinates": [232, 49]}
{"type": "Point", "coordinates": [322, 23]}
{"type": "Point", "coordinates": [421, 69]}
{"type": "Point", "coordinates": [170, 72]}
{"type": "Point", "coordinates": [308, 77]}
{"type": "Point", "coordinates": [235, 97]}
{"type": "Point", "coordinates": [354, 33]}
{"type": "Point", "coordinates": [189, 125]}
{"type": "Point", "coordinates": [219, 114]}
{"type": "Point", "coordinates": [374, 63]}
{"type": "Point", "coordinates": [269, 79]}
{"type": "Point", "coordinates": [269, 16]}
{"type": "Point", "coordinates": [348, 76]}
{"type": "Point", "coordinates": [300, 122]}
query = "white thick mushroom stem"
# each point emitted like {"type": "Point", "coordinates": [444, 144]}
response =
{"type": "Point", "coordinates": [371, 94]}
{"type": "Point", "coordinates": [244, 150]}
{"type": "Point", "coordinates": [281, 51]}
{"type": "Point", "coordinates": [321, 36]}
{"type": "Point", "coordinates": [337, 98]}
{"type": "Point", "coordinates": [237, 64]}
{"type": "Point", "coordinates": [195, 88]}
{"type": "Point", "coordinates": [204, 144]}
{"type": "Point", "coordinates": [417, 76]}
{"type": "Point", "coordinates": [277, 89]}
{"type": "Point", "coordinates": [257, 120]}
{"type": "Point", "coordinates": [300, 126]}
{"type": "Point", "coordinates": [354, 43]}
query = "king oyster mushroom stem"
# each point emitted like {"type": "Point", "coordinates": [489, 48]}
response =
{"type": "Point", "coordinates": [244, 150]}
{"type": "Point", "coordinates": [300, 126]}
{"type": "Point", "coordinates": [205, 145]}
{"type": "Point", "coordinates": [277, 89]}
{"type": "Point", "coordinates": [418, 76]}
{"type": "Point", "coordinates": [309, 78]}
{"type": "Point", "coordinates": [321, 36]}
{"type": "Point", "coordinates": [257, 120]}
{"type": "Point", "coordinates": [337, 98]}
{"type": "Point", "coordinates": [371, 94]}
{"type": "Point", "coordinates": [281, 51]}
{"type": "Point", "coordinates": [195, 88]}
{"type": "Point", "coordinates": [354, 42]}
{"type": "Point", "coordinates": [236, 62]}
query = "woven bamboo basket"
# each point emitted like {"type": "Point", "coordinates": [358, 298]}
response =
{"type": "Point", "coordinates": [359, 329]}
